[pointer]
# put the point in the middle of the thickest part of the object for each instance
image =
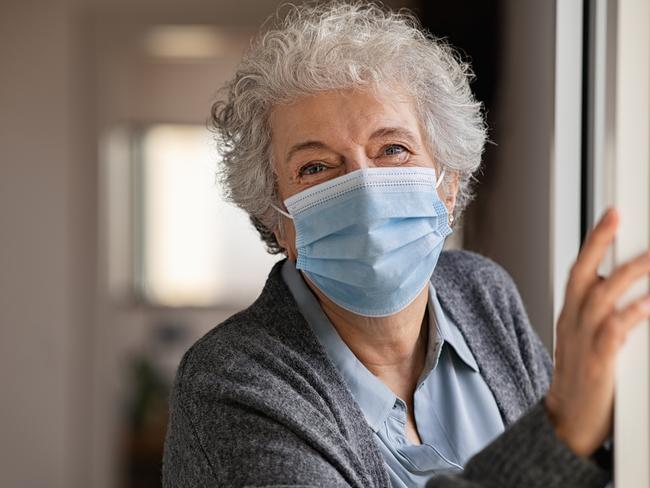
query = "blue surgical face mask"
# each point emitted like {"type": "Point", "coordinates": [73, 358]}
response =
{"type": "Point", "coordinates": [370, 239]}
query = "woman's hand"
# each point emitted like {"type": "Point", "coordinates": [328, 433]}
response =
{"type": "Point", "coordinates": [590, 332]}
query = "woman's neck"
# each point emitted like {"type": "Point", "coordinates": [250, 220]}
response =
{"type": "Point", "coordinates": [393, 348]}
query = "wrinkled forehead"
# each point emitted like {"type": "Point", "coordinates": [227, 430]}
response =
{"type": "Point", "coordinates": [342, 118]}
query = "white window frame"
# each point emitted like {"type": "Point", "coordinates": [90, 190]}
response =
{"type": "Point", "coordinates": [619, 158]}
{"type": "Point", "coordinates": [631, 178]}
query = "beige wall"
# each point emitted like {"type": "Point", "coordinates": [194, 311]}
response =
{"type": "Point", "coordinates": [45, 251]}
{"type": "Point", "coordinates": [60, 343]}
{"type": "Point", "coordinates": [510, 220]}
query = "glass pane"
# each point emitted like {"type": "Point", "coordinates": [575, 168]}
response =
{"type": "Point", "coordinates": [196, 249]}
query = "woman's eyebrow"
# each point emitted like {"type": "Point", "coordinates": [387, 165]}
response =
{"type": "Point", "coordinates": [398, 132]}
{"type": "Point", "coordinates": [303, 146]}
{"type": "Point", "coordinates": [382, 132]}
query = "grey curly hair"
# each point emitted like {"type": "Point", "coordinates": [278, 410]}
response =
{"type": "Point", "coordinates": [314, 48]}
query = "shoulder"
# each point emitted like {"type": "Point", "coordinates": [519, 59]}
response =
{"type": "Point", "coordinates": [464, 267]}
{"type": "Point", "coordinates": [248, 339]}
{"type": "Point", "coordinates": [465, 257]}
{"type": "Point", "coordinates": [223, 348]}
{"type": "Point", "coordinates": [469, 280]}
{"type": "Point", "coordinates": [258, 357]}
{"type": "Point", "coordinates": [245, 357]}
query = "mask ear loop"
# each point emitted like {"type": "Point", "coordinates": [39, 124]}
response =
{"type": "Point", "coordinates": [287, 215]}
{"type": "Point", "coordinates": [442, 175]}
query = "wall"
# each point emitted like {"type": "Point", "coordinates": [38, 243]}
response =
{"type": "Point", "coordinates": [510, 220]}
{"type": "Point", "coordinates": [46, 255]}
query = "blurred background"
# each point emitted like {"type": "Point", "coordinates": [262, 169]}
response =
{"type": "Point", "coordinates": [116, 248]}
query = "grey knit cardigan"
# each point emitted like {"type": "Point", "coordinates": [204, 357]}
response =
{"type": "Point", "coordinates": [257, 402]}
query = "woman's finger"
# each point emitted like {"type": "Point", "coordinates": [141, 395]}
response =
{"type": "Point", "coordinates": [612, 332]}
{"type": "Point", "coordinates": [606, 293]}
{"type": "Point", "coordinates": [584, 271]}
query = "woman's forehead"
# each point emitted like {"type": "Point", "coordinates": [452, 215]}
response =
{"type": "Point", "coordinates": [348, 114]}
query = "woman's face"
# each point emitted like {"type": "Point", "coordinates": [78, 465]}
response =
{"type": "Point", "coordinates": [320, 137]}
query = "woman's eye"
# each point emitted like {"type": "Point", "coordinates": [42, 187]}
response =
{"type": "Point", "coordinates": [394, 150]}
{"type": "Point", "coordinates": [312, 169]}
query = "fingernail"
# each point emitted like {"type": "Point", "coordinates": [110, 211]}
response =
{"type": "Point", "coordinates": [645, 304]}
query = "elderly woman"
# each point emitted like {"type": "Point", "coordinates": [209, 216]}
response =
{"type": "Point", "coordinates": [371, 358]}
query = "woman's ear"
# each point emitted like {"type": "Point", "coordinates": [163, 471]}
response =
{"type": "Point", "coordinates": [451, 184]}
{"type": "Point", "coordinates": [286, 238]}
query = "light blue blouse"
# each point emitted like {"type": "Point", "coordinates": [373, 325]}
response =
{"type": "Point", "coordinates": [455, 412]}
